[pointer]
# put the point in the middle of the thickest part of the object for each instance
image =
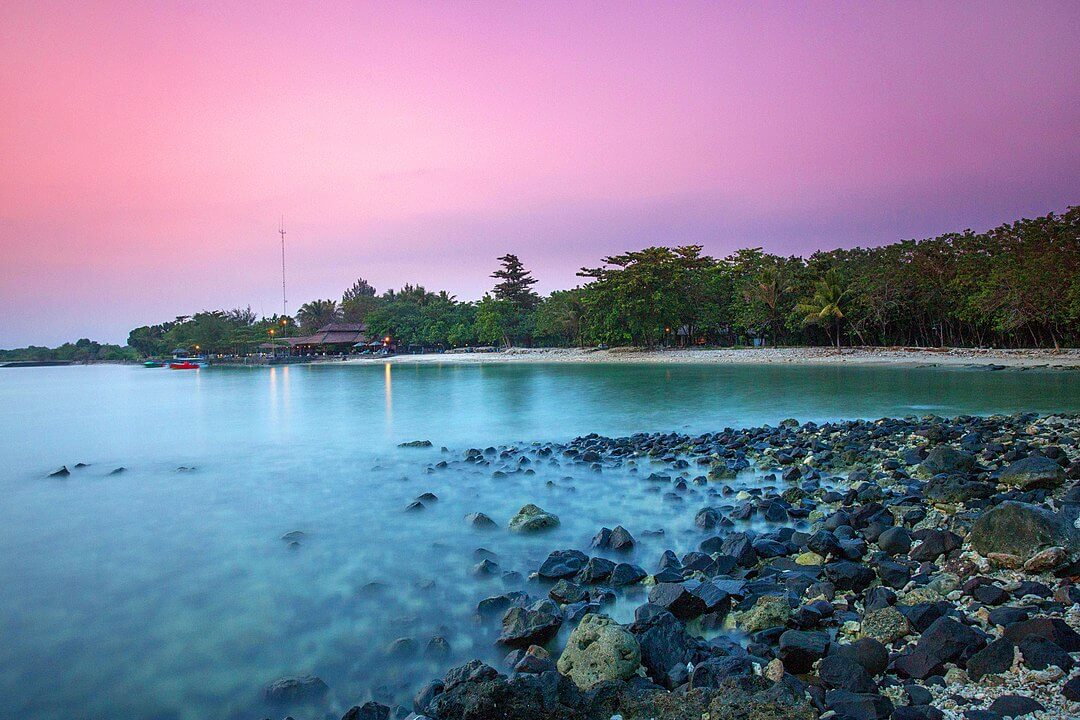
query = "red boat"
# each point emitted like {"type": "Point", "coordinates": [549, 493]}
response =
{"type": "Point", "coordinates": [185, 365]}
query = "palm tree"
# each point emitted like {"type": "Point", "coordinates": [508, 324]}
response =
{"type": "Point", "coordinates": [313, 315]}
{"type": "Point", "coordinates": [824, 308]}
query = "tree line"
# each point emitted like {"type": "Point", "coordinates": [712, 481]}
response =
{"type": "Point", "coordinates": [1017, 285]}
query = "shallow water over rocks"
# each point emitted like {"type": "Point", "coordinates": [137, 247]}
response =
{"type": "Point", "coordinates": [261, 530]}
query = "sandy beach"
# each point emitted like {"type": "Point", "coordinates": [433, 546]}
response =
{"type": "Point", "coordinates": [954, 357]}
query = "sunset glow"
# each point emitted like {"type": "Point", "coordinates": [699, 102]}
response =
{"type": "Point", "coordinates": [148, 150]}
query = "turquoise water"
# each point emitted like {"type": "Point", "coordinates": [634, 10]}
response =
{"type": "Point", "coordinates": [161, 593]}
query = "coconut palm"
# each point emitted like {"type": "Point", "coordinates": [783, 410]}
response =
{"type": "Point", "coordinates": [313, 315]}
{"type": "Point", "coordinates": [825, 306]}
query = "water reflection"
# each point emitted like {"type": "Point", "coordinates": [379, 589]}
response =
{"type": "Point", "coordinates": [158, 593]}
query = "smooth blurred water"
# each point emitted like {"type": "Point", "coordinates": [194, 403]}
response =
{"type": "Point", "coordinates": [160, 593]}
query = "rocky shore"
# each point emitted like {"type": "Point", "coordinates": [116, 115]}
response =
{"type": "Point", "coordinates": [899, 569]}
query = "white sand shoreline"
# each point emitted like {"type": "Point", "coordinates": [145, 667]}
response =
{"type": "Point", "coordinates": [950, 357]}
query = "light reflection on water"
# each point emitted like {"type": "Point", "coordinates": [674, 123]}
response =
{"type": "Point", "coordinates": [166, 594]}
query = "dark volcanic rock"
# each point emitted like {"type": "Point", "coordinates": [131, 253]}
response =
{"type": "Point", "coordinates": [665, 646]}
{"type": "Point", "coordinates": [798, 650]}
{"type": "Point", "coordinates": [627, 574]}
{"type": "Point", "coordinates": [1032, 472]}
{"type": "Point", "coordinates": [677, 600]}
{"type": "Point", "coordinates": [859, 706]}
{"type": "Point", "coordinates": [563, 564]}
{"type": "Point", "coordinates": [1021, 529]}
{"type": "Point", "coordinates": [300, 689]}
{"type": "Point", "coordinates": [944, 459]}
{"type": "Point", "coordinates": [843, 673]}
{"type": "Point", "coordinates": [948, 640]}
{"type": "Point", "coordinates": [1055, 630]}
{"type": "Point", "coordinates": [368, 711]}
{"type": "Point", "coordinates": [534, 625]}
{"type": "Point", "coordinates": [1015, 706]}
{"type": "Point", "coordinates": [997, 657]}
{"type": "Point", "coordinates": [1040, 653]}
{"type": "Point", "coordinates": [617, 539]}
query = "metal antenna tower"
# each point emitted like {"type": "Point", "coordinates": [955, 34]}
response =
{"type": "Point", "coordinates": [281, 231]}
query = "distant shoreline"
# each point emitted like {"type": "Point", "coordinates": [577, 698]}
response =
{"type": "Point", "coordinates": [950, 357]}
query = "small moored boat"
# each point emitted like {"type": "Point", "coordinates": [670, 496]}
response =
{"type": "Point", "coordinates": [184, 365]}
{"type": "Point", "coordinates": [153, 364]}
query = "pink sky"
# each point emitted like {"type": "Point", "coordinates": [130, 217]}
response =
{"type": "Point", "coordinates": [147, 149]}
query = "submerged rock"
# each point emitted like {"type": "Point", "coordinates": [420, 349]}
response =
{"type": "Point", "coordinates": [298, 689]}
{"type": "Point", "coordinates": [480, 521]}
{"type": "Point", "coordinates": [534, 625]}
{"type": "Point", "coordinates": [532, 518]}
{"type": "Point", "coordinates": [415, 444]}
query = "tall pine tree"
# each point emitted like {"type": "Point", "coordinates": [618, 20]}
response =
{"type": "Point", "coordinates": [515, 284]}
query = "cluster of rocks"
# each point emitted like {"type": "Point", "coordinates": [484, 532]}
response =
{"type": "Point", "coordinates": [908, 569]}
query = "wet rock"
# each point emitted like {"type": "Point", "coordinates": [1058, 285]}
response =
{"type": "Point", "coordinates": [402, 648]}
{"type": "Point", "coordinates": [563, 564]}
{"type": "Point", "coordinates": [677, 600]}
{"type": "Point", "coordinates": [1033, 472]}
{"type": "Point", "coordinates": [1021, 530]}
{"type": "Point", "coordinates": [480, 521]}
{"type": "Point", "coordinates": [532, 518]}
{"type": "Point", "coordinates": [596, 570]}
{"type": "Point", "coordinates": [62, 472]}
{"type": "Point", "coordinates": [599, 649]}
{"type": "Point", "coordinates": [566, 592]}
{"type": "Point", "coordinates": [415, 444]}
{"type": "Point", "coordinates": [535, 625]}
{"type": "Point", "coordinates": [522, 697]}
{"type": "Point", "coordinates": [368, 711]}
{"type": "Point", "coordinates": [298, 689]}
{"type": "Point", "coordinates": [617, 539]}
{"type": "Point", "coordinates": [627, 574]}
{"type": "Point", "coordinates": [665, 646]}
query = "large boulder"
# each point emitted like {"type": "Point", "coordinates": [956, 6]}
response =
{"type": "Point", "coordinates": [1021, 530]}
{"type": "Point", "coordinates": [532, 518]}
{"type": "Point", "coordinates": [599, 649]}
{"type": "Point", "coordinates": [944, 459]}
{"type": "Point", "coordinates": [1033, 472]}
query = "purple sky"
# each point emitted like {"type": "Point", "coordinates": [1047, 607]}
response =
{"type": "Point", "coordinates": [147, 150]}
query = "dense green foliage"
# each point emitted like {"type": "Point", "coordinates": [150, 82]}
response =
{"type": "Point", "coordinates": [1017, 285]}
{"type": "Point", "coordinates": [81, 351]}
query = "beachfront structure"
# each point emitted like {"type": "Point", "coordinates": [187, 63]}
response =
{"type": "Point", "coordinates": [332, 339]}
